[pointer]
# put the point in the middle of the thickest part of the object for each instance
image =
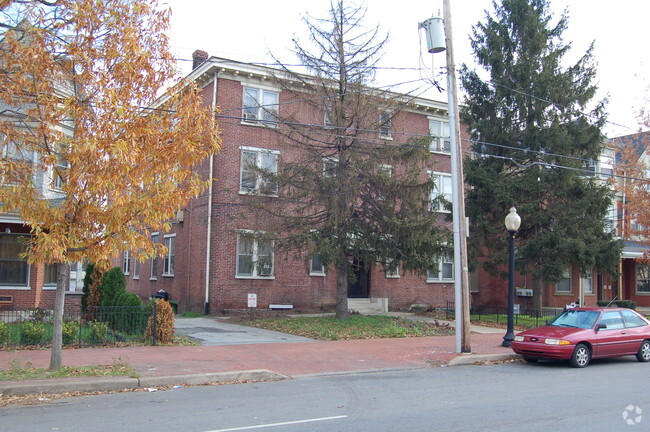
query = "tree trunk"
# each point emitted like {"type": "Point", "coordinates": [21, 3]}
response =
{"type": "Point", "coordinates": [342, 286]}
{"type": "Point", "coordinates": [538, 287]}
{"type": "Point", "coordinates": [62, 279]}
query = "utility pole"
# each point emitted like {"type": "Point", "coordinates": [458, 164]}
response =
{"type": "Point", "coordinates": [461, 278]}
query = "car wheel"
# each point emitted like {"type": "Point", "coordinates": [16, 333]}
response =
{"type": "Point", "coordinates": [530, 359]}
{"type": "Point", "coordinates": [643, 355]}
{"type": "Point", "coordinates": [581, 356]}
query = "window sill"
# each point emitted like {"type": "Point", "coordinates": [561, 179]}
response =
{"type": "Point", "coordinates": [440, 152]}
{"type": "Point", "coordinates": [254, 193]}
{"type": "Point", "coordinates": [440, 281]}
{"type": "Point", "coordinates": [392, 277]}
{"type": "Point", "coordinates": [386, 138]}
{"type": "Point", "coordinates": [317, 274]}
{"type": "Point", "coordinates": [168, 275]}
{"type": "Point", "coordinates": [17, 288]}
{"type": "Point", "coordinates": [153, 278]}
{"type": "Point", "coordinates": [49, 287]}
{"type": "Point", "coordinates": [255, 277]}
{"type": "Point", "coordinates": [259, 123]}
{"type": "Point", "coordinates": [642, 293]}
{"type": "Point", "coordinates": [563, 293]}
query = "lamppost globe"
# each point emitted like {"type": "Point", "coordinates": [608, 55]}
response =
{"type": "Point", "coordinates": [513, 220]}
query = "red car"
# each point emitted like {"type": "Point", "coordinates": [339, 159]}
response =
{"type": "Point", "coordinates": [580, 334]}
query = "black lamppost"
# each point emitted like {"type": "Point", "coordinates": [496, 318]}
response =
{"type": "Point", "coordinates": [512, 225]}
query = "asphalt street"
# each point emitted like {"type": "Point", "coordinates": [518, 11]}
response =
{"type": "Point", "coordinates": [609, 395]}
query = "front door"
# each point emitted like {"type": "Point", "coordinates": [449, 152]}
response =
{"type": "Point", "coordinates": [358, 280]}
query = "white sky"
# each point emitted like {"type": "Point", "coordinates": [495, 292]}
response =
{"type": "Point", "coordinates": [248, 30]}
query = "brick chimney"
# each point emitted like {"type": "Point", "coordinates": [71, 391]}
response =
{"type": "Point", "coordinates": [198, 58]}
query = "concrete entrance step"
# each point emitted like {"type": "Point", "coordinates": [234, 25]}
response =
{"type": "Point", "coordinates": [368, 306]}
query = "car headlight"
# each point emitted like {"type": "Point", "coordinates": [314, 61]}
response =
{"type": "Point", "coordinates": [519, 338]}
{"type": "Point", "coordinates": [557, 342]}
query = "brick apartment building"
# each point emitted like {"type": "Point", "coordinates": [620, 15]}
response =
{"type": "Point", "coordinates": [208, 266]}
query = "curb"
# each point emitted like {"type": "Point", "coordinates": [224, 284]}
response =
{"type": "Point", "coordinates": [473, 359]}
{"type": "Point", "coordinates": [99, 384]}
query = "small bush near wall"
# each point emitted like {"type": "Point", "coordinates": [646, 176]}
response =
{"type": "Point", "coordinates": [619, 303]}
{"type": "Point", "coordinates": [32, 333]}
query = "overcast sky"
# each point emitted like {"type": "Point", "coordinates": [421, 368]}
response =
{"type": "Point", "coordinates": [248, 30]}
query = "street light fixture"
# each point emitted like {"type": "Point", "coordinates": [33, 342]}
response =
{"type": "Point", "coordinates": [513, 221]}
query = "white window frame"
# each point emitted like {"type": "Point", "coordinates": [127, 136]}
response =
{"type": "Point", "coordinates": [48, 285]}
{"type": "Point", "coordinates": [260, 182]}
{"type": "Point", "coordinates": [567, 275]}
{"type": "Point", "coordinates": [316, 272]}
{"type": "Point", "coordinates": [438, 190]}
{"type": "Point", "coordinates": [645, 279]}
{"type": "Point", "coordinates": [385, 125]}
{"type": "Point", "coordinates": [126, 263]}
{"type": "Point", "coordinates": [328, 108]}
{"type": "Point", "coordinates": [439, 276]}
{"type": "Point", "coordinates": [20, 286]}
{"type": "Point", "coordinates": [255, 249]}
{"type": "Point", "coordinates": [394, 274]}
{"type": "Point", "coordinates": [329, 167]}
{"type": "Point", "coordinates": [170, 257]}
{"type": "Point", "coordinates": [440, 143]}
{"type": "Point", "coordinates": [57, 182]}
{"type": "Point", "coordinates": [264, 113]}
{"type": "Point", "coordinates": [136, 268]}
{"type": "Point", "coordinates": [154, 260]}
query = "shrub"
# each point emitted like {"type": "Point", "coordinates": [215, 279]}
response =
{"type": "Point", "coordinates": [70, 332]}
{"type": "Point", "coordinates": [619, 303]}
{"type": "Point", "coordinates": [91, 297]}
{"type": "Point", "coordinates": [128, 315]}
{"type": "Point", "coordinates": [113, 283]}
{"type": "Point", "coordinates": [164, 322]}
{"type": "Point", "coordinates": [32, 332]}
{"type": "Point", "coordinates": [5, 334]}
{"type": "Point", "coordinates": [98, 332]}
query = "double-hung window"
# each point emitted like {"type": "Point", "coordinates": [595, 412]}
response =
{"type": "Point", "coordinates": [14, 270]}
{"type": "Point", "coordinates": [440, 136]}
{"type": "Point", "coordinates": [254, 256]}
{"type": "Point", "coordinates": [642, 279]}
{"type": "Point", "coordinates": [258, 167]}
{"type": "Point", "coordinates": [329, 167]}
{"type": "Point", "coordinates": [168, 262]}
{"type": "Point", "coordinates": [58, 174]}
{"type": "Point", "coordinates": [154, 260]}
{"type": "Point", "coordinates": [316, 267]}
{"type": "Point", "coordinates": [444, 272]}
{"type": "Point", "coordinates": [260, 105]}
{"type": "Point", "coordinates": [126, 262]}
{"type": "Point", "coordinates": [392, 269]}
{"type": "Point", "coordinates": [385, 127]}
{"type": "Point", "coordinates": [441, 194]}
{"type": "Point", "coordinates": [565, 285]}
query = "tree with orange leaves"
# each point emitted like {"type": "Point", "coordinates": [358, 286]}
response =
{"type": "Point", "coordinates": [80, 82]}
{"type": "Point", "coordinates": [634, 155]}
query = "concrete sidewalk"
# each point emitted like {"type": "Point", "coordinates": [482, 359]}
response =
{"type": "Point", "coordinates": [161, 365]}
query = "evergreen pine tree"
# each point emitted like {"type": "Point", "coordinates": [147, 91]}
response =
{"type": "Point", "coordinates": [534, 128]}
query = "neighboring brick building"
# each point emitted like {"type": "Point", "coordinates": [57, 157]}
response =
{"type": "Point", "coordinates": [634, 283]}
{"type": "Point", "coordinates": [214, 218]}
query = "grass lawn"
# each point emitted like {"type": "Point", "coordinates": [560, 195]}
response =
{"type": "Point", "coordinates": [17, 372]}
{"type": "Point", "coordinates": [353, 327]}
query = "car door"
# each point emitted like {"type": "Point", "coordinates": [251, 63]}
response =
{"type": "Point", "coordinates": [636, 330]}
{"type": "Point", "coordinates": [612, 340]}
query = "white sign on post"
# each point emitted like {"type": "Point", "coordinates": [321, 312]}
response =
{"type": "Point", "coordinates": [252, 300]}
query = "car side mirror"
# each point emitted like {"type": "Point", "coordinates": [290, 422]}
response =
{"type": "Point", "coordinates": [601, 326]}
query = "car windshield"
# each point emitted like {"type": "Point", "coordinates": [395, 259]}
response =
{"type": "Point", "coordinates": [576, 319]}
